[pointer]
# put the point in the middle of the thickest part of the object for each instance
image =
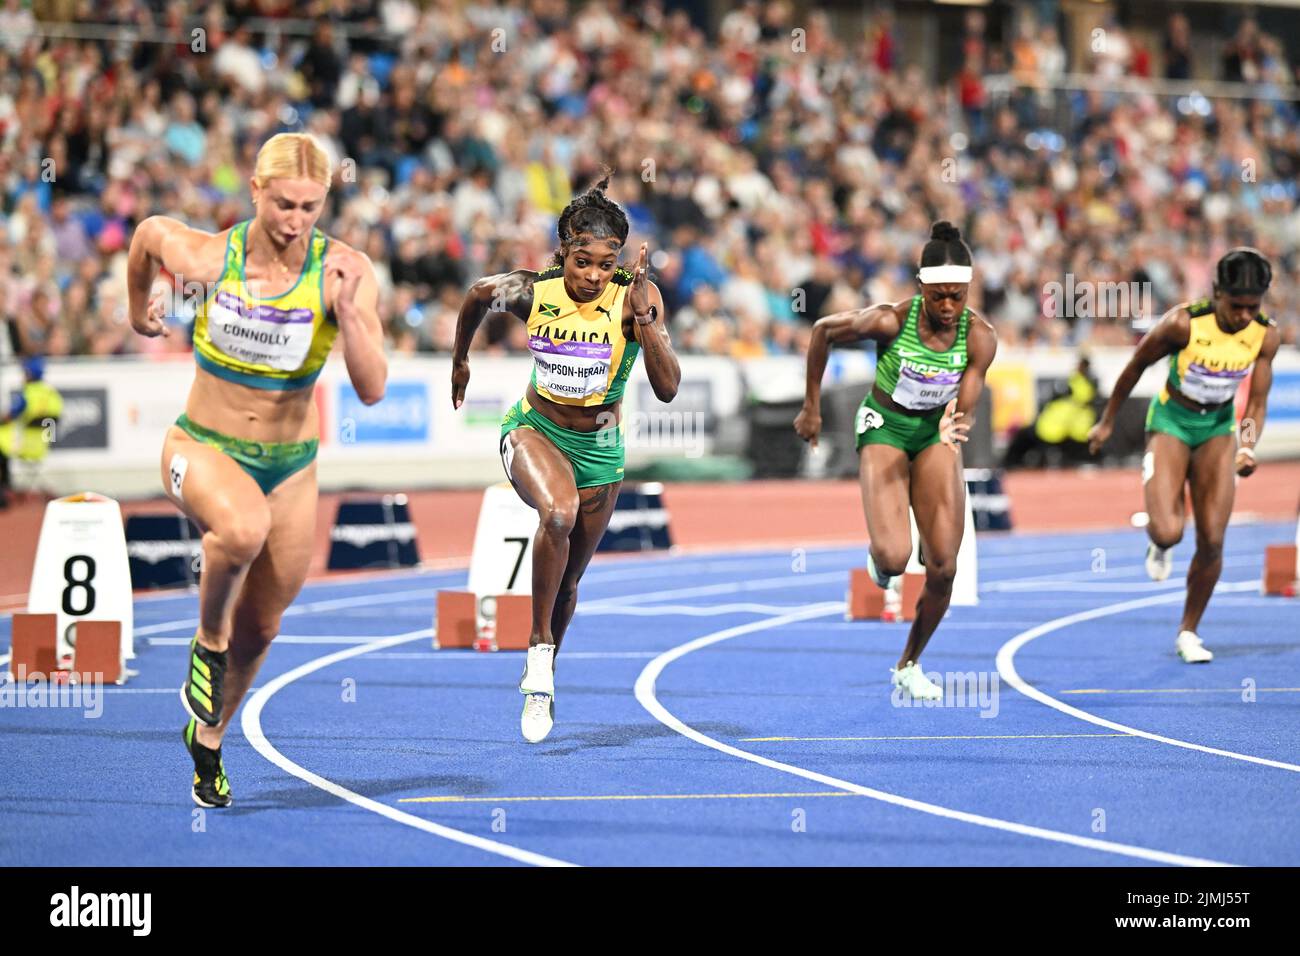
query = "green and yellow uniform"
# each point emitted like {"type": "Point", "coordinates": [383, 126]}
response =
{"type": "Point", "coordinates": [277, 343]}
{"type": "Point", "coordinates": [1208, 370]}
{"type": "Point", "coordinates": [580, 358]}
{"type": "Point", "coordinates": [916, 377]}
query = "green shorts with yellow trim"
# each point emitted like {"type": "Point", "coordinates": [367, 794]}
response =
{"type": "Point", "coordinates": [267, 462]}
{"type": "Point", "coordinates": [1189, 427]}
{"type": "Point", "coordinates": [876, 425]}
{"type": "Point", "coordinates": [597, 457]}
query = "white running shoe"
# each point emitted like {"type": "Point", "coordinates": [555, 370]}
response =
{"type": "Point", "coordinates": [914, 682]}
{"type": "Point", "coordinates": [538, 717]}
{"type": "Point", "coordinates": [538, 684]}
{"type": "Point", "coordinates": [539, 671]}
{"type": "Point", "coordinates": [1191, 650]}
{"type": "Point", "coordinates": [883, 581]}
{"type": "Point", "coordinates": [1160, 561]}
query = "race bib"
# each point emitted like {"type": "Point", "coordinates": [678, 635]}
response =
{"type": "Point", "coordinates": [571, 369]}
{"type": "Point", "coordinates": [1211, 386]}
{"type": "Point", "coordinates": [261, 334]}
{"type": "Point", "coordinates": [923, 387]}
{"type": "Point", "coordinates": [868, 418]}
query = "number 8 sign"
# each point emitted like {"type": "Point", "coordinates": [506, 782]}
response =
{"type": "Point", "coordinates": [81, 569]}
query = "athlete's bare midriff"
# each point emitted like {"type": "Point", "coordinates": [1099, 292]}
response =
{"type": "Point", "coordinates": [577, 418]}
{"type": "Point", "coordinates": [254, 414]}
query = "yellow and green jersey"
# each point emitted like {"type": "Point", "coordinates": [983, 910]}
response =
{"type": "Point", "coordinates": [1212, 365]}
{"type": "Point", "coordinates": [580, 355]}
{"type": "Point", "coordinates": [279, 342]}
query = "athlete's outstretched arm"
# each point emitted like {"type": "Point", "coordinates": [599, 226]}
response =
{"type": "Point", "coordinates": [661, 363]}
{"type": "Point", "coordinates": [356, 307]}
{"type": "Point", "coordinates": [508, 292]}
{"type": "Point", "coordinates": [189, 254]}
{"type": "Point", "coordinates": [878, 322]}
{"type": "Point", "coordinates": [959, 416]}
{"type": "Point", "coordinates": [1252, 420]}
{"type": "Point", "coordinates": [1168, 335]}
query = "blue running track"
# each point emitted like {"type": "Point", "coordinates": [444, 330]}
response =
{"type": "Point", "coordinates": [711, 710]}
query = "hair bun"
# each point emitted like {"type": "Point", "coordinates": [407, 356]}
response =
{"type": "Point", "coordinates": [944, 231]}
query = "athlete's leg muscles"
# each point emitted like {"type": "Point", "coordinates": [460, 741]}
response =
{"type": "Point", "coordinates": [1213, 489]}
{"type": "Point", "coordinates": [883, 480]}
{"type": "Point", "coordinates": [271, 585]}
{"type": "Point", "coordinates": [1164, 472]}
{"type": "Point", "coordinates": [595, 507]}
{"type": "Point", "coordinates": [938, 493]}
{"type": "Point", "coordinates": [233, 515]}
{"type": "Point", "coordinates": [543, 478]}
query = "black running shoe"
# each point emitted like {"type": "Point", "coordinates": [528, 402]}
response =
{"type": "Point", "coordinates": [201, 693]}
{"type": "Point", "coordinates": [211, 788]}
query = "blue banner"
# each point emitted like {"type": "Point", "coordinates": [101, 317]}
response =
{"type": "Point", "coordinates": [1283, 397]}
{"type": "Point", "coordinates": [404, 415]}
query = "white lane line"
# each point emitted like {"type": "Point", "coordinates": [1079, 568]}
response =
{"type": "Point", "coordinates": [1245, 558]}
{"type": "Point", "coordinates": [313, 639]}
{"type": "Point", "coordinates": [790, 580]}
{"type": "Point", "coordinates": [687, 610]}
{"type": "Point", "coordinates": [251, 723]}
{"type": "Point", "coordinates": [645, 694]}
{"type": "Point", "coordinates": [1007, 671]}
{"type": "Point", "coordinates": [456, 655]}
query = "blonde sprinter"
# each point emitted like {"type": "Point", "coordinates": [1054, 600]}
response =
{"type": "Point", "coordinates": [240, 461]}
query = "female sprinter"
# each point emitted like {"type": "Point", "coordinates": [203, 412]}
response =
{"type": "Point", "coordinates": [562, 444]}
{"type": "Point", "coordinates": [1192, 426]}
{"type": "Point", "coordinates": [241, 460]}
{"type": "Point", "coordinates": [932, 355]}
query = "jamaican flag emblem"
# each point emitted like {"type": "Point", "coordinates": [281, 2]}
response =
{"type": "Point", "coordinates": [548, 310]}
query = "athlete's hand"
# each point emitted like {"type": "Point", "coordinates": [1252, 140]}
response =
{"type": "Point", "coordinates": [1245, 462]}
{"type": "Point", "coordinates": [347, 270]}
{"type": "Point", "coordinates": [154, 321]}
{"type": "Point", "coordinates": [459, 379]}
{"type": "Point", "coordinates": [951, 430]}
{"type": "Point", "coordinates": [1098, 435]}
{"type": "Point", "coordinates": [808, 424]}
{"type": "Point", "coordinates": [638, 296]}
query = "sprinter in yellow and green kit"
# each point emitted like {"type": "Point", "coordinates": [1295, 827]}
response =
{"type": "Point", "coordinates": [241, 459]}
{"type": "Point", "coordinates": [1192, 434]}
{"type": "Point", "coordinates": [562, 443]}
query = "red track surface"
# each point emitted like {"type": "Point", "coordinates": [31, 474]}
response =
{"type": "Point", "coordinates": [778, 513]}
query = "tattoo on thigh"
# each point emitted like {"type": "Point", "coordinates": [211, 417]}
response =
{"type": "Point", "coordinates": [597, 501]}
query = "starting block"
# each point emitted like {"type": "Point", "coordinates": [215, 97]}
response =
{"type": "Point", "coordinates": [97, 650]}
{"type": "Point", "coordinates": [1280, 569]}
{"type": "Point", "coordinates": [507, 621]}
{"type": "Point", "coordinates": [867, 602]}
{"type": "Point", "coordinates": [34, 648]}
{"type": "Point", "coordinates": [97, 656]}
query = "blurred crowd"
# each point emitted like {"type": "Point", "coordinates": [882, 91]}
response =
{"type": "Point", "coordinates": [781, 169]}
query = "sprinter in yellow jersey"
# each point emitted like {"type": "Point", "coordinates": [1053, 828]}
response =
{"type": "Point", "coordinates": [1192, 435]}
{"type": "Point", "coordinates": [562, 444]}
{"type": "Point", "coordinates": [240, 461]}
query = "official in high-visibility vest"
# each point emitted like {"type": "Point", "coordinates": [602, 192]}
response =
{"type": "Point", "coordinates": [28, 429]}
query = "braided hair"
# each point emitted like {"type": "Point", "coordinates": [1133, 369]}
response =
{"type": "Point", "coordinates": [945, 247]}
{"type": "Point", "coordinates": [1243, 271]}
{"type": "Point", "coordinates": [592, 213]}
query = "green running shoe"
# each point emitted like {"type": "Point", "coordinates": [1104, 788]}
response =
{"type": "Point", "coordinates": [211, 788]}
{"type": "Point", "coordinates": [201, 692]}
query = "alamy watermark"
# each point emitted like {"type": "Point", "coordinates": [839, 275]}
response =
{"type": "Point", "coordinates": [656, 431]}
{"type": "Point", "coordinates": [1086, 299]}
{"type": "Point", "coordinates": [33, 690]}
{"type": "Point", "coordinates": [976, 689]}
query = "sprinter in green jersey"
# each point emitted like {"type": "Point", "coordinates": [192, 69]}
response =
{"type": "Point", "coordinates": [932, 355]}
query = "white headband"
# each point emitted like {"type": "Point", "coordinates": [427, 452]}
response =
{"type": "Point", "coordinates": [937, 275]}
